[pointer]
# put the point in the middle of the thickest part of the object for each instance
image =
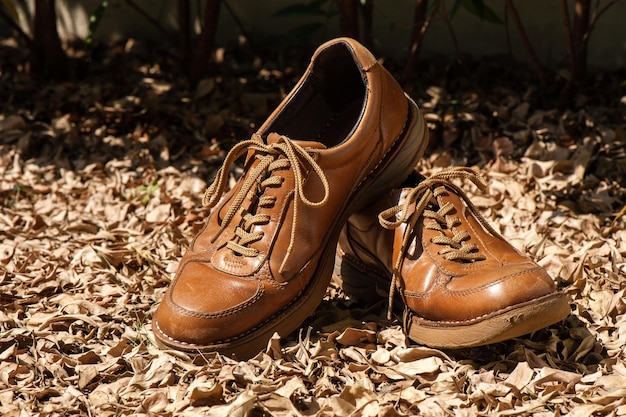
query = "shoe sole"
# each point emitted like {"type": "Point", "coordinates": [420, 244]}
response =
{"type": "Point", "coordinates": [366, 285]}
{"type": "Point", "coordinates": [496, 327]}
{"type": "Point", "coordinates": [397, 163]}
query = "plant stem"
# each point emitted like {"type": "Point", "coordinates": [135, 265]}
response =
{"type": "Point", "coordinates": [184, 27]}
{"type": "Point", "coordinates": [597, 15]}
{"type": "Point", "coordinates": [368, 33]}
{"type": "Point", "coordinates": [580, 28]}
{"type": "Point", "coordinates": [151, 20]}
{"type": "Point", "coordinates": [568, 28]}
{"type": "Point", "coordinates": [238, 21]}
{"type": "Point", "coordinates": [349, 18]}
{"type": "Point", "coordinates": [420, 24]}
{"type": "Point", "coordinates": [446, 19]}
{"type": "Point", "coordinates": [526, 42]}
{"type": "Point", "coordinates": [200, 60]}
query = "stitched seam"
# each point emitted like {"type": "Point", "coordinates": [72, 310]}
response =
{"type": "Point", "coordinates": [473, 290]}
{"type": "Point", "coordinates": [220, 314]}
{"type": "Point", "coordinates": [231, 339]}
{"type": "Point", "coordinates": [484, 316]}
{"type": "Point", "coordinates": [381, 160]}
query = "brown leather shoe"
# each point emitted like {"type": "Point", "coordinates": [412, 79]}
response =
{"type": "Point", "coordinates": [343, 137]}
{"type": "Point", "coordinates": [462, 284]}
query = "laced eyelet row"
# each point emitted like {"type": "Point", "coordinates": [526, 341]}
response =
{"type": "Point", "coordinates": [426, 201]}
{"type": "Point", "coordinates": [284, 154]}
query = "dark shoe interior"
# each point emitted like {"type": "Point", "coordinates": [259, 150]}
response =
{"type": "Point", "coordinates": [329, 103]}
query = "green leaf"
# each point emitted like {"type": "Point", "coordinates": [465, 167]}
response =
{"type": "Point", "coordinates": [480, 9]}
{"type": "Point", "coordinates": [95, 19]}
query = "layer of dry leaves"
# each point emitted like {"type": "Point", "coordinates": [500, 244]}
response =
{"type": "Point", "coordinates": [100, 189]}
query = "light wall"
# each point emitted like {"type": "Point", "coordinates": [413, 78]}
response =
{"type": "Point", "coordinates": [542, 19]}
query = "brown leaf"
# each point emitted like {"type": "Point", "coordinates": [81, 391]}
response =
{"type": "Point", "coordinates": [240, 407]}
{"type": "Point", "coordinates": [205, 393]}
{"type": "Point", "coordinates": [352, 336]}
{"type": "Point", "coordinates": [154, 403]}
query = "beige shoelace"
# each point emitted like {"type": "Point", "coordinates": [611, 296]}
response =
{"type": "Point", "coordinates": [426, 195]}
{"type": "Point", "coordinates": [280, 155]}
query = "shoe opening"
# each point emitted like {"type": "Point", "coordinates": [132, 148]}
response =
{"type": "Point", "coordinates": [328, 106]}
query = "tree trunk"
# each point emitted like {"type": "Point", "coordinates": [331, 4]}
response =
{"type": "Point", "coordinates": [534, 59]}
{"type": "Point", "coordinates": [48, 57]}
{"type": "Point", "coordinates": [417, 35]}
{"type": "Point", "coordinates": [184, 25]}
{"type": "Point", "coordinates": [580, 28]}
{"type": "Point", "coordinates": [368, 22]}
{"type": "Point", "coordinates": [199, 65]}
{"type": "Point", "coordinates": [349, 18]}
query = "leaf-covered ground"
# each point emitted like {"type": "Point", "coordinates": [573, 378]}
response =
{"type": "Point", "coordinates": [100, 188]}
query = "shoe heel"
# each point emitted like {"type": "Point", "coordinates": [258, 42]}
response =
{"type": "Point", "coordinates": [400, 161]}
{"type": "Point", "coordinates": [356, 282]}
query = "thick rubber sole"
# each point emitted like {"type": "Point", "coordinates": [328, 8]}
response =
{"type": "Point", "coordinates": [367, 285]}
{"type": "Point", "coordinates": [501, 325]}
{"type": "Point", "coordinates": [395, 166]}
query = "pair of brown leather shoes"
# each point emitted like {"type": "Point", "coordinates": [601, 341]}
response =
{"type": "Point", "coordinates": [334, 148]}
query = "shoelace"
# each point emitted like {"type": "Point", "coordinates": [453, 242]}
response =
{"type": "Point", "coordinates": [280, 155]}
{"type": "Point", "coordinates": [428, 193]}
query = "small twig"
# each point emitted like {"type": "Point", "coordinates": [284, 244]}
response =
{"type": "Point", "coordinates": [509, 47]}
{"type": "Point", "coordinates": [421, 22]}
{"type": "Point", "coordinates": [349, 18]}
{"type": "Point", "coordinates": [446, 20]}
{"type": "Point", "coordinates": [568, 28]}
{"type": "Point", "coordinates": [16, 27]}
{"type": "Point", "coordinates": [184, 27]}
{"type": "Point", "coordinates": [151, 20]}
{"type": "Point", "coordinates": [617, 217]}
{"type": "Point", "coordinates": [526, 42]}
{"type": "Point", "coordinates": [201, 55]}
{"type": "Point", "coordinates": [238, 21]}
{"type": "Point", "coordinates": [367, 9]}
{"type": "Point", "coordinates": [580, 30]}
{"type": "Point", "coordinates": [596, 16]}
{"type": "Point", "coordinates": [430, 18]}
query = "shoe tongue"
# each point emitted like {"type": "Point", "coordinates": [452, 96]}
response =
{"type": "Point", "coordinates": [306, 144]}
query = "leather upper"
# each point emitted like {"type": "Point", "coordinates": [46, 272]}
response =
{"type": "Point", "coordinates": [286, 216]}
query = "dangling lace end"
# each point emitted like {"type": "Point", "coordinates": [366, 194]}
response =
{"type": "Point", "coordinates": [392, 291]}
{"type": "Point", "coordinates": [208, 199]}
